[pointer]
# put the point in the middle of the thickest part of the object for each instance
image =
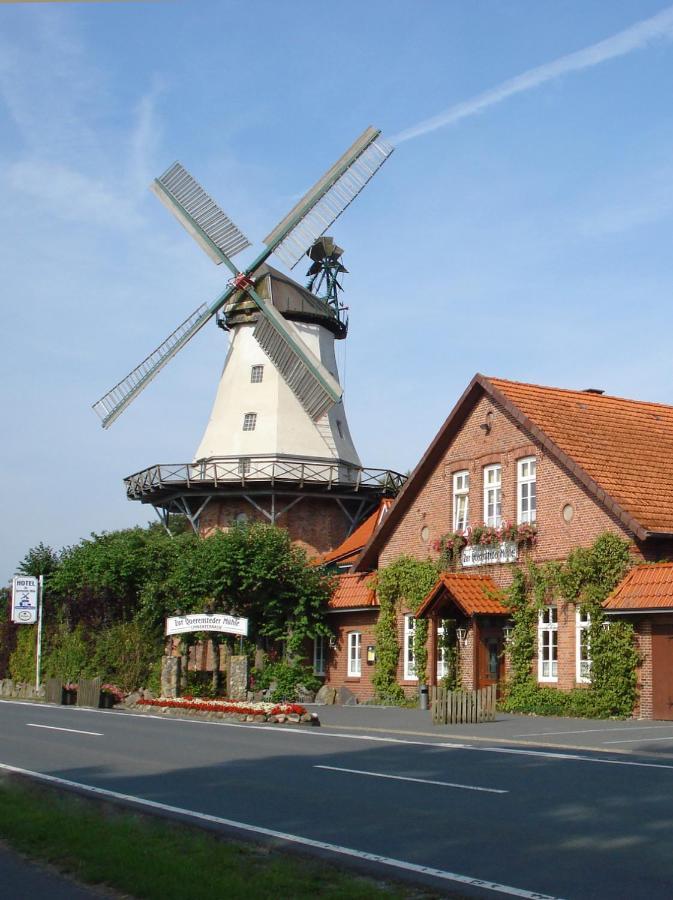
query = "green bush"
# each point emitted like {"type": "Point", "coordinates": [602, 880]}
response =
{"type": "Point", "coordinates": [22, 658]}
{"type": "Point", "coordinates": [125, 653]}
{"type": "Point", "coordinates": [287, 678]}
{"type": "Point", "coordinates": [581, 703]}
{"type": "Point", "coordinates": [68, 654]}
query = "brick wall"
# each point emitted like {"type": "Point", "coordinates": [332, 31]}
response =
{"type": "Point", "coordinates": [336, 668]}
{"type": "Point", "coordinates": [318, 524]}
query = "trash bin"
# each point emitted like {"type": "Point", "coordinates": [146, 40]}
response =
{"type": "Point", "coordinates": [423, 696]}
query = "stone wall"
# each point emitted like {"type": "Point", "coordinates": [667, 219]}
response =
{"type": "Point", "coordinates": [19, 690]}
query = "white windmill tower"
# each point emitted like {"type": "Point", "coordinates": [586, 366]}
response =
{"type": "Point", "coordinates": [277, 445]}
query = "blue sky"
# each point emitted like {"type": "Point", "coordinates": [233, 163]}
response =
{"type": "Point", "coordinates": [527, 236]}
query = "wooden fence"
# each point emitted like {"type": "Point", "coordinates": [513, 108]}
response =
{"type": "Point", "coordinates": [458, 707]}
{"type": "Point", "coordinates": [89, 692]}
{"type": "Point", "coordinates": [53, 690]}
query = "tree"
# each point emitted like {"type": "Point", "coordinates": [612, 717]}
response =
{"type": "Point", "coordinates": [40, 560]}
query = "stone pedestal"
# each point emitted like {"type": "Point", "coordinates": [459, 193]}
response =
{"type": "Point", "coordinates": [237, 677]}
{"type": "Point", "coordinates": [171, 667]}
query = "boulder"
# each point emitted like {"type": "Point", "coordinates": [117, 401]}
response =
{"type": "Point", "coordinates": [326, 695]}
{"type": "Point", "coordinates": [345, 697]}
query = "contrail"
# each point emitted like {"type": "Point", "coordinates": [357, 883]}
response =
{"type": "Point", "coordinates": [636, 37]}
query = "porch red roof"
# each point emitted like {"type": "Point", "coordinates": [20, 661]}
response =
{"type": "Point", "coordinates": [353, 592]}
{"type": "Point", "coordinates": [648, 586]}
{"type": "Point", "coordinates": [473, 594]}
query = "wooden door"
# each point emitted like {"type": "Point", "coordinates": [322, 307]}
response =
{"type": "Point", "coordinates": [662, 671]}
{"type": "Point", "coordinates": [490, 663]}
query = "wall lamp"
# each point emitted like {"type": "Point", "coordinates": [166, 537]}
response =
{"type": "Point", "coordinates": [461, 634]}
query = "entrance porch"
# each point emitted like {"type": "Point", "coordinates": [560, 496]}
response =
{"type": "Point", "coordinates": [466, 630]}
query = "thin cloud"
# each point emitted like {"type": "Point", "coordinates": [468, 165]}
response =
{"type": "Point", "coordinates": [636, 37]}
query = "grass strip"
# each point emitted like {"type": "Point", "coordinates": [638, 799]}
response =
{"type": "Point", "coordinates": [153, 858]}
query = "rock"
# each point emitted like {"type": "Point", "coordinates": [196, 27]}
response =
{"type": "Point", "coordinates": [326, 695]}
{"type": "Point", "coordinates": [280, 719]}
{"type": "Point", "coordinates": [148, 695]}
{"type": "Point", "coordinates": [132, 698]}
{"type": "Point", "coordinates": [345, 697]}
{"type": "Point", "coordinates": [294, 718]}
{"type": "Point", "coordinates": [303, 694]}
{"type": "Point", "coordinates": [258, 696]}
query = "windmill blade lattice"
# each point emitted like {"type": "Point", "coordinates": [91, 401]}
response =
{"type": "Point", "coordinates": [199, 214]}
{"type": "Point", "coordinates": [329, 197]}
{"type": "Point", "coordinates": [112, 404]}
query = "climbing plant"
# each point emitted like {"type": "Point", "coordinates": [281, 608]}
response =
{"type": "Point", "coordinates": [585, 579]}
{"type": "Point", "coordinates": [406, 580]}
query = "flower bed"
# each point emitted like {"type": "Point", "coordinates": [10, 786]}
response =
{"type": "Point", "coordinates": [239, 709]}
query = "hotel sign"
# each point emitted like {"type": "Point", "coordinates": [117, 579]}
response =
{"type": "Point", "coordinates": [201, 622]}
{"type": "Point", "coordinates": [24, 600]}
{"type": "Point", "coordinates": [489, 555]}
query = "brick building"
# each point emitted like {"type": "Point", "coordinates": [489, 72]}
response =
{"type": "Point", "coordinates": [569, 464]}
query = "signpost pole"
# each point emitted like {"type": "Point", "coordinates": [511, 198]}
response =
{"type": "Point", "coordinates": [38, 655]}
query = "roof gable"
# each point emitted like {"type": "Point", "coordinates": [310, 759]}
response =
{"type": "Point", "coordinates": [353, 591]}
{"type": "Point", "coordinates": [618, 449]}
{"type": "Point", "coordinates": [349, 548]}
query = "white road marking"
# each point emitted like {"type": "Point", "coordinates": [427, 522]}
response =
{"type": "Point", "coordinates": [590, 730]}
{"type": "Point", "coordinates": [640, 740]}
{"type": "Point", "coordinates": [290, 838]}
{"type": "Point", "coordinates": [56, 728]}
{"type": "Point", "coordinates": [465, 787]}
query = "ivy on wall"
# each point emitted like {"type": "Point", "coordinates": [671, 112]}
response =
{"type": "Point", "coordinates": [405, 581]}
{"type": "Point", "coordinates": [585, 579]}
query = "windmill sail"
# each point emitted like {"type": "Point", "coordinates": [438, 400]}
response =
{"type": "Point", "coordinates": [209, 225]}
{"type": "Point", "coordinates": [313, 385]}
{"type": "Point", "coordinates": [116, 400]}
{"type": "Point", "coordinates": [329, 197]}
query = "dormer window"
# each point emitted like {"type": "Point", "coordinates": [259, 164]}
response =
{"type": "Point", "coordinates": [256, 374]}
{"type": "Point", "coordinates": [249, 421]}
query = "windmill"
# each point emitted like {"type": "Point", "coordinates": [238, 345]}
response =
{"type": "Point", "coordinates": [299, 447]}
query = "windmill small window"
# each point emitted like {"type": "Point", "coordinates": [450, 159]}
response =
{"type": "Point", "coordinates": [256, 374]}
{"type": "Point", "coordinates": [249, 421]}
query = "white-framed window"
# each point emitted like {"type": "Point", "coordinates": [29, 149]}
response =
{"type": "Point", "coordinates": [244, 464]}
{"type": "Point", "coordinates": [526, 492]}
{"type": "Point", "coordinates": [492, 496]}
{"type": "Point", "coordinates": [409, 658]}
{"type": "Point", "coordinates": [354, 654]}
{"type": "Point", "coordinates": [582, 649]}
{"type": "Point", "coordinates": [547, 644]}
{"type": "Point", "coordinates": [441, 651]}
{"type": "Point", "coordinates": [256, 374]}
{"type": "Point", "coordinates": [461, 500]}
{"type": "Point", "coordinates": [319, 654]}
{"type": "Point", "coordinates": [249, 421]}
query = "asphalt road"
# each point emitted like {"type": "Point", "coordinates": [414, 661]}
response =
{"type": "Point", "coordinates": [528, 821]}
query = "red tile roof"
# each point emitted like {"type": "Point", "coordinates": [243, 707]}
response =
{"type": "Point", "coordinates": [625, 446]}
{"type": "Point", "coordinates": [348, 550]}
{"type": "Point", "coordinates": [644, 587]}
{"type": "Point", "coordinates": [620, 450]}
{"type": "Point", "coordinates": [353, 592]}
{"type": "Point", "coordinates": [473, 594]}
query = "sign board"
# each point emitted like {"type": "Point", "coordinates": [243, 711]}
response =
{"type": "Point", "coordinates": [475, 555]}
{"type": "Point", "coordinates": [24, 599]}
{"type": "Point", "coordinates": [202, 622]}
